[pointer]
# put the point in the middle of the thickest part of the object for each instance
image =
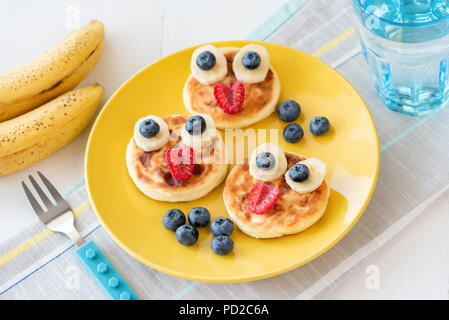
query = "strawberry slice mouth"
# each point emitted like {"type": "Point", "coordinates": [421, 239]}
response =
{"type": "Point", "coordinates": [180, 163]}
{"type": "Point", "coordinates": [262, 198]}
{"type": "Point", "coordinates": [230, 97]}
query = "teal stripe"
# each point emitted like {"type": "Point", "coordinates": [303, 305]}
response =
{"type": "Point", "coordinates": [191, 286]}
{"type": "Point", "coordinates": [77, 185]}
{"type": "Point", "coordinates": [276, 20]}
{"type": "Point", "coordinates": [262, 32]}
{"type": "Point", "coordinates": [409, 130]}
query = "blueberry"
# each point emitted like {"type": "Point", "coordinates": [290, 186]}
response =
{"type": "Point", "coordinates": [293, 133]}
{"type": "Point", "coordinates": [319, 126]}
{"type": "Point", "coordinates": [299, 172]}
{"type": "Point", "coordinates": [173, 219]}
{"type": "Point", "coordinates": [206, 60]}
{"type": "Point", "coordinates": [251, 60]}
{"type": "Point", "coordinates": [187, 235]}
{"type": "Point", "coordinates": [199, 217]}
{"type": "Point", "coordinates": [222, 245]}
{"type": "Point", "coordinates": [195, 125]}
{"type": "Point", "coordinates": [289, 110]}
{"type": "Point", "coordinates": [265, 161]}
{"type": "Point", "coordinates": [222, 227]}
{"type": "Point", "coordinates": [149, 128]}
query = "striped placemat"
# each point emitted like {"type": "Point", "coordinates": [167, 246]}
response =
{"type": "Point", "coordinates": [37, 264]}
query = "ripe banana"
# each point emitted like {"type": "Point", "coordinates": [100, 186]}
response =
{"type": "Point", "coordinates": [39, 133]}
{"type": "Point", "coordinates": [58, 70]}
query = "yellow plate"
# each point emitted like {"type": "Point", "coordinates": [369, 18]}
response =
{"type": "Point", "coordinates": [350, 150]}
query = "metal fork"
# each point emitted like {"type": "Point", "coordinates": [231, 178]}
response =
{"type": "Point", "coordinates": [58, 217]}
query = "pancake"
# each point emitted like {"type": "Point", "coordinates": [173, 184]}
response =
{"type": "Point", "coordinates": [152, 176]}
{"type": "Point", "coordinates": [292, 213]}
{"type": "Point", "coordinates": [260, 98]}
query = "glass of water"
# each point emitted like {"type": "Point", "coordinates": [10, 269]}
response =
{"type": "Point", "coordinates": [406, 45]}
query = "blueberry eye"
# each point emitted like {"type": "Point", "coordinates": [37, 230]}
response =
{"type": "Point", "coordinates": [299, 173]}
{"type": "Point", "coordinates": [195, 125]}
{"type": "Point", "coordinates": [149, 128]}
{"type": "Point", "coordinates": [206, 60]}
{"type": "Point", "coordinates": [265, 161]}
{"type": "Point", "coordinates": [251, 60]}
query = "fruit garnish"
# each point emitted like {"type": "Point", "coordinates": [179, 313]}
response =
{"type": "Point", "coordinates": [222, 245]}
{"type": "Point", "coordinates": [187, 235]}
{"type": "Point", "coordinates": [221, 226]}
{"type": "Point", "coordinates": [251, 60]}
{"type": "Point", "coordinates": [199, 217]}
{"type": "Point", "coordinates": [180, 163]}
{"type": "Point", "coordinates": [251, 64]}
{"type": "Point", "coordinates": [306, 175]}
{"type": "Point", "coordinates": [293, 133]}
{"type": "Point", "coordinates": [289, 110]}
{"type": "Point", "coordinates": [265, 161]}
{"type": "Point", "coordinates": [230, 97]}
{"type": "Point", "coordinates": [149, 128]}
{"type": "Point", "coordinates": [195, 125]}
{"type": "Point", "coordinates": [208, 64]}
{"type": "Point", "coordinates": [299, 172]}
{"type": "Point", "coordinates": [319, 126]}
{"type": "Point", "coordinates": [262, 198]}
{"type": "Point", "coordinates": [173, 219]}
{"type": "Point", "coordinates": [206, 60]}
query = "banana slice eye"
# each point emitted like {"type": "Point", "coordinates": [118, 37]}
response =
{"type": "Point", "coordinates": [306, 176]}
{"type": "Point", "coordinates": [198, 131]}
{"type": "Point", "coordinates": [151, 133]}
{"type": "Point", "coordinates": [267, 162]}
{"type": "Point", "coordinates": [208, 64]}
{"type": "Point", "coordinates": [251, 64]}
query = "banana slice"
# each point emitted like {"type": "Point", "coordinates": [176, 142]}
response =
{"type": "Point", "coordinates": [156, 142]}
{"type": "Point", "coordinates": [271, 166]}
{"type": "Point", "coordinates": [257, 61]}
{"type": "Point", "coordinates": [211, 67]}
{"type": "Point", "coordinates": [317, 172]}
{"type": "Point", "coordinates": [202, 140]}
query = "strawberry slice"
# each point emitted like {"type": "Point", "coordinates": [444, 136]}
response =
{"type": "Point", "coordinates": [230, 97]}
{"type": "Point", "coordinates": [180, 162]}
{"type": "Point", "coordinates": [262, 198]}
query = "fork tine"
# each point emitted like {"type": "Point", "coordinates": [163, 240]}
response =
{"type": "Point", "coordinates": [37, 208]}
{"type": "Point", "coordinates": [41, 193]}
{"type": "Point", "coordinates": [54, 193]}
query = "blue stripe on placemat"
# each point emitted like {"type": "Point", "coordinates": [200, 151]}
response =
{"type": "Point", "coordinates": [276, 20]}
{"type": "Point", "coordinates": [261, 32]}
{"type": "Point", "coordinates": [44, 264]}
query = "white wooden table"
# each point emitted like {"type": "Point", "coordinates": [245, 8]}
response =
{"type": "Point", "coordinates": [414, 265]}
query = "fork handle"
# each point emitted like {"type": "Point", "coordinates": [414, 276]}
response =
{"type": "Point", "coordinates": [104, 272]}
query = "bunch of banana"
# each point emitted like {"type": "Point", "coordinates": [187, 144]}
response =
{"type": "Point", "coordinates": [58, 70]}
{"type": "Point", "coordinates": [37, 134]}
{"type": "Point", "coordinates": [35, 119]}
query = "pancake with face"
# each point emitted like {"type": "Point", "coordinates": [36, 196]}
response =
{"type": "Point", "coordinates": [293, 212]}
{"type": "Point", "coordinates": [151, 174]}
{"type": "Point", "coordinates": [260, 98]}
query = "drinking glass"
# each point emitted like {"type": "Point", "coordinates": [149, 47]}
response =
{"type": "Point", "coordinates": [406, 45]}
